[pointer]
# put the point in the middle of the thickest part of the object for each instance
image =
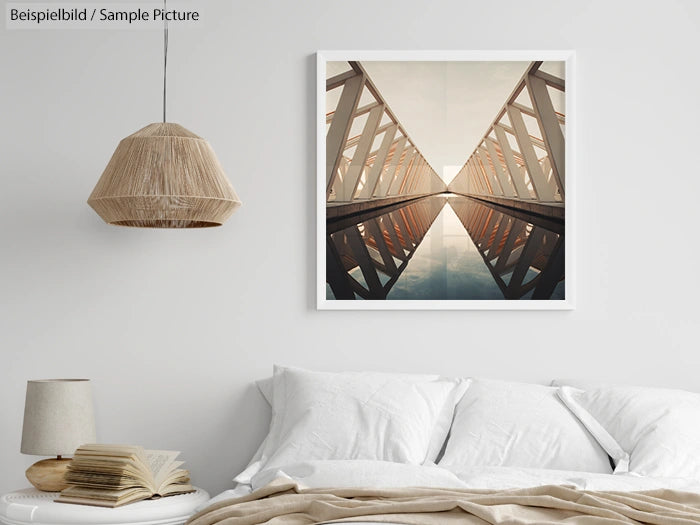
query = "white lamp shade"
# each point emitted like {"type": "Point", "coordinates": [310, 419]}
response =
{"type": "Point", "coordinates": [58, 417]}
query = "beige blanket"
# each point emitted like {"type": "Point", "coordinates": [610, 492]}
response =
{"type": "Point", "coordinates": [285, 503]}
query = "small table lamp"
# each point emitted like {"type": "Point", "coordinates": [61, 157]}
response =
{"type": "Point", "coordinates": [58, 418]}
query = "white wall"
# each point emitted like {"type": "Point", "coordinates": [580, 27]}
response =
{"type": "Point", "coordinates": [173, 326]}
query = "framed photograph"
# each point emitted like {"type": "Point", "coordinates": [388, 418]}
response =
{"type": "Point", "coordinates": [442, 180]}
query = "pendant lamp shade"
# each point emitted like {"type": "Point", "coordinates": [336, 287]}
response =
{"type": "Point", "coordinates": [164, 176]}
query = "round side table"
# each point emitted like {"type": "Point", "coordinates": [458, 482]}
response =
{"type": "Point", "coordinates": [31, 506]}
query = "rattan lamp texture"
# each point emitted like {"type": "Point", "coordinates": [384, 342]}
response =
{"type": "Point", "coordinates": [164, 176]}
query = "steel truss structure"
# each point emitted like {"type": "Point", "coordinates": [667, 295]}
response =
{"type": "Point", "coordinates": [366, 254]}
{"type": "Point", "coordinates": [382, 196]}
{"type": "Point", "coordinates": [368, 257]}
{"type": "Point", "coordinates": [523, 257]}
{"type": "Point", "coordinates": [521, 157]}
{"type": "Point", "coordinates": [369, 154]}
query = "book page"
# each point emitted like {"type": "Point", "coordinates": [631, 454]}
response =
{"type": "Point", "coordinates": [103, 449]}
{"type": "Point", "coordinates": [161, 464]}
{"type": "Point", "coordinates": [109, 465]}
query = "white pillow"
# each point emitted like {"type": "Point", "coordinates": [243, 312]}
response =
{"type": "Point", "coordinates": [265, 387]}
{"type": "Point", "coordinates": [254, 466]}
{"type": "Point", "coordinates": [576, 383]}
{"type": "Point", "coordinates": [655, 430]}
{"type": "Point", "coordinates": [358, 415]}
{"type": "Point", "coordinates": [508, 424]}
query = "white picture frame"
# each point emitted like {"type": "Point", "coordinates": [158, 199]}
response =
{"type": "Point", "coordinates": [568, 302]}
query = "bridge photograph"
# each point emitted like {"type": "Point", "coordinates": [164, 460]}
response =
{"type": "Point", "coordinates": [442, 182]}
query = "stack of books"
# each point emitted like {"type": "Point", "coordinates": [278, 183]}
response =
{"type": "Point", "coordinates": [114, 475]}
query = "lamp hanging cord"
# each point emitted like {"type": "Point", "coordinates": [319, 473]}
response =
{"type": "Point", "coordinates": [165, 57]}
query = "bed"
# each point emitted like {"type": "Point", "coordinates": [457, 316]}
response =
{"type": "Point", "coordinates": [422, 449]}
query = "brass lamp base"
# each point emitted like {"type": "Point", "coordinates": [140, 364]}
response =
{"type": "Point", "coordinates": [48, 474]}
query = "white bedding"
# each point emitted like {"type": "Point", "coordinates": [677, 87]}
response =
{"type": "Point", "coordinates": [357, 415]}
{"type": "Point", "coordinates": [510, 424]}
{"type": "Point", "coordinates": [383, 474]}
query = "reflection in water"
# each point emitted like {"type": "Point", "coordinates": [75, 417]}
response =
{"type": "Point", "coordinates": [427, 249]}
{"type": "Point", "coordinates": [365, 259]}
{"type": "Point", "coordinates": [526, 261]}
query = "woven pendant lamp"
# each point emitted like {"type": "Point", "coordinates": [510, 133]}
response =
{"type": "Point", "coordinates": [164, 176]}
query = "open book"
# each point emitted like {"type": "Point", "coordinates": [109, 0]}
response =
{"type": "Point", "coordinates": [113, 475]}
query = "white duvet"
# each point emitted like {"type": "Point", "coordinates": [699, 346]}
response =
{"type": "Point", "coordinates": [383, 474]}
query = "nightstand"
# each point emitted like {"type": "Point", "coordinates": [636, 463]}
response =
{"type": "Point", "coordinates": [35, 507]}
